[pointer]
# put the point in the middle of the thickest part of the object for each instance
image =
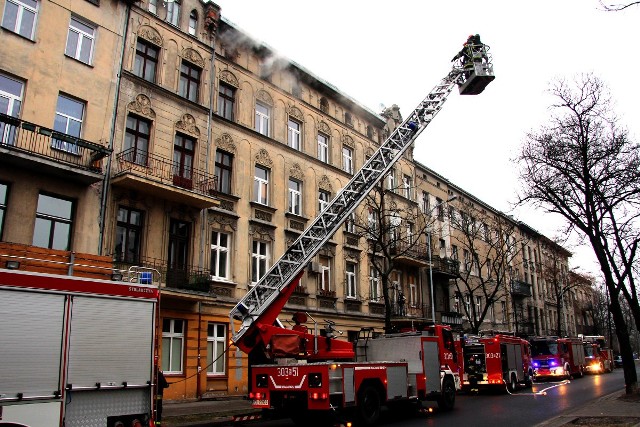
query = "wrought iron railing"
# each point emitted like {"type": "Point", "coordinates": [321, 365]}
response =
{"type": "Point", "coordinates": [445, 265]}
{"type": "Point", "coordinates": [25, 137]}
{"type": "Point", "coordinates": [183, 277]}
{"type": "Point", "coordinates": [410, 250]}
{"type": "Point", "coordinates": [166, 171]}
{"type": "Point", "coordinates": [518, 287]}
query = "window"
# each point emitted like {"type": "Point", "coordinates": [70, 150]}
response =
{"type": "Point", "coordinates": [503, 312]}
{"type": "Point", "coordinates": [347, 159]}
{"type": "Point", "coordinates": [128, 235]}
{"type": "Point", "coordinates": [4, 190]}
{"type": "Point", "coordinates": [136, 140]}
{"type": "Point", "coordinates": [324, 278]}
{"type": "Point", "coordinates": [323, 199]}
{"type": "Point", "coordinates": [348, 119]}
{"type": "Point", "coordinates": [261, 185]}
{"type": "Point", "coordinates": [406, 185]}
{"type": "Point", "coordinates": [259, 260]}
{"type": "Point", "coordinates": [80, 41]}
{"type": "Point", "coordinates": [372, 219]}
{"type": "Point", "coordinates": [294, 134]}
{"type": "Point", "coordinates": [324, 105]}
{"type": "Point", "coordinates": [425, 205]}
{"type": "Point", "coordinates": [413, 293]}
{"type": "Point", "coordinates": [172, 345]}
{"type": "Point", "coordinates": [295, 196]}
{"type": "Point", "coordinates": [374, 285]}
{"type": "Point", "coordinates": [467, 304]}
{"type": "Point", "coordinates": [224, 167]}
{"type": "Point", "coordinates": [443, 248]}
{"type": "Point", "coordinates": [189, 81]}
{"type": "Point", "coordinates": [369, 132]}
{"type": "Point", "coordinates": [410, 234]}
{"type": "Point", "coordinates": [173, 12]}
{"type": "Point", "coordinates": [350, 280]}
{"type": "Point", "coordinates": [53, 223]}
{"type": "Point", "coordinates": [478, 306]}
{"type": "Point", "coordinates": [216, 348]}
{"type": "Point", "coordinates": [183, 153]}
{"type": "Point", "coordinates": [350, 224]}
{"type": "Point", "coordinates": [10, 102]}
{"type": "Point", "coordinates": [153, 6]}
{"type": "Point", "coordinates": [193, 22]}
{"type": "Point", "coordinates": [20, 17]}
{"type": "Point", "coordinates": [219, 255]}
{"type": "Point", "coordinates": [440, 207]}
{"type": "Point", "coordinates": [226, 101]}
{"type": "Point", "coordinates": [466, 255]}
{"type": "Point", "coordinates": [323, 148]}
{"type": "Point", "coordinates": [69, 115]}
{"type": "Point", "coordinates": [146, 61]}
{"type": "Point", "coordinates": [262, 119]}
{"type": "Point", "coordinates": [391, 179]}
{"type": "Point", "coordinates": [492, 313]}
{"type": "Point", "coordinates": [454, 252]}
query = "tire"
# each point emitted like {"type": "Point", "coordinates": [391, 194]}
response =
{"type": "Point", "coordinates": [528, 380]}
{"type": "Point", "coordinates": [447, 398]}
{"type": "Point", "coordinates": [513, 384]}
{"type": "Point", "coordinates": [369, 403]}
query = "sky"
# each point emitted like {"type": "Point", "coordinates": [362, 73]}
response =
{"type": "Point", "coordinates": [382, 53]}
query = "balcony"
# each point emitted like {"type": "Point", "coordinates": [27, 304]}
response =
{"type": "Point", "coordinates": [33, 147]}
{"type": "Point", "coordinates": [161, 177]}
{"type": "Point", "coordinates": [520, 288]}
{"type": "Point", "coordinates": [410, 254]}
{"type": "Point", "coordinates": [445, 266]}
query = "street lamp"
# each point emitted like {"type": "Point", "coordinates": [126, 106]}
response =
{"type": "Point", "coordinates": [433, 307]}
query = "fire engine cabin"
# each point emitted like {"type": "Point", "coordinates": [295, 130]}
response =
{"type": "Point", "coordinates": [75, 351]}
{"type": "Point", "coordinates": [495, 361]}
{"type": "Point", "coordinates": [557, 357]}
{"type": "Point", "coordinates": [598, 358]}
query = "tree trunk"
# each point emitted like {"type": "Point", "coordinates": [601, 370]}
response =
{"type": "Point", "coordinates": [628, 365]}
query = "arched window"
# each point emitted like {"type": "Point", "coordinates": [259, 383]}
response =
{"type": "Point", "coordinates": [193, 22]}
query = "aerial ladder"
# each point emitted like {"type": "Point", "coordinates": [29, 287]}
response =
{"type": "Point", "coordinates": [257, 312]}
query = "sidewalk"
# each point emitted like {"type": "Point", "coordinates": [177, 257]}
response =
{"type": "Point", "coordinates": [613, 410]}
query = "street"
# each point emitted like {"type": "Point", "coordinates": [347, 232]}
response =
{"type": "Point", "coordinates": [526, 407]}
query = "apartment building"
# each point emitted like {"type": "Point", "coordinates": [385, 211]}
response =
{"type": "Point", "coordinates": [164, 137]}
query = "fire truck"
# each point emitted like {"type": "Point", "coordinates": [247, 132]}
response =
{"type": "Point", "coordinates": [598, 358]}
{"type": "Point", "coordinates": [496, 360]}
{"type": "Point", "coordinates": [309, 376]}
{"type": "Point", "coordinates": [76, 351]}
{"type": "Point", "coordinates": [554, 357]}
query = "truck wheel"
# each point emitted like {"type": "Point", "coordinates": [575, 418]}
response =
{"type": "Point", "coordinates": [513, 384]}
{"type": "Point", "coordinates": [448, 396]}
{"type": "Point", "coordinates": [368, 406]}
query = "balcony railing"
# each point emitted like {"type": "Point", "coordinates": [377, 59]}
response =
{"type": "Point", "coordinates": [410, 310]}
{"type": "Point", "coordinates": [165, 171]}
{"type": "Point", "coordinates": [414, 250]}
{"type": "Point", "coordinates": [447, 266]}
{"type": "Point", "coordinates": [187, 277]}
{"type": "Point", "coordinates": [520, 288]}
{"type": "Point", "coordinates": [23, 137]}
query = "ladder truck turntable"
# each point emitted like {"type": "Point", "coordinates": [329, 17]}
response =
{"type": "Point", "coordinates": [309, 377]}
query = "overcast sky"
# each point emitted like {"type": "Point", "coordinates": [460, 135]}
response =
{"type": "Point", "coordinates": [395, 52]}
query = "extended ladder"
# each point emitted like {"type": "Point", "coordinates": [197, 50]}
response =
{"type": "Point", "coordinates": [299, 254]}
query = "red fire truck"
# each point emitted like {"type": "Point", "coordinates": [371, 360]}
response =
{"type": "Point", "coordinates": [308, 376]}
{"type": "Point", "coordinates": [598, 358]}
{"type": "Point", "coordinates": [495, 361]}
{"type": "Point", "coordinates": [557, 357]}
{"type": "Point", "coordinates": [76, 351]}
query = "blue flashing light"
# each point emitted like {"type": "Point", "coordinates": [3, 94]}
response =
{"type": "Point", "coordinates": [536, 364]}
{"type": "Point", "coordinates": [553, 363]}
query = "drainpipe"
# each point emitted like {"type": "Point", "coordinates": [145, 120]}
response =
{"type": "Point", "coordinates": [107, 178]}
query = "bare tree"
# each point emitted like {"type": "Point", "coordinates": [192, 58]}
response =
{"type": "Point", "coordinates": [617, 7]}
{"type": "Point", "coordinates": [582, 166]}
{"type": "Point", "coordinates": [489, 246]}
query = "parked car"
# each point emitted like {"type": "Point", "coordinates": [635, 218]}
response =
{"type": "Point", "coordinates": [617, 361]}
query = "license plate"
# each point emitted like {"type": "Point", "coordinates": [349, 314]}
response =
{"type": "Point", "coordinates": [261, 402]}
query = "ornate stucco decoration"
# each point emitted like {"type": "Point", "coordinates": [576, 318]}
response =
{"type": "Point", "coordinates": [348, 141]}
{"type": "Point", "coordinates": [193, 56]}
{"type": "Point", "coordinates": [225, 142]}
{"type": "Point", "coordinates": [261, 233]}
{"type": "Point", "coordinates": [263, 96]}
{"type": "Point", "coordinates": [142, 106]}
{"type": "Point", "coordinates": [150, 34]}
{"type": "Point", "coordinates": [296, 173]}
{"type": "Point", "coordinates": [188, 125]}
{"type": "Point", "coordinates": [263, 158]}
{"type": "Point", "coordinates": [228, 77]}
{"type": "Point", "coordinates": [324, 128]}
{"type": "Point", "coordinates": [223, 222]}
{"type": "Point", "coordinates": [295, 113]}
{"type": "Point", "coordinates": [352, 255]}
{"type": "Point", "coordinates": [325, 184]}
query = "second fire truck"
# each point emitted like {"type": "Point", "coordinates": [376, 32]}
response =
{"type": "Point", "coordinates": [553, 357]}
{"type": "Point", "coordinates": [598, 357]}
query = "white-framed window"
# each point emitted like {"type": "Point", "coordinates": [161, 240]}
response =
{"type": "Point", "coordinates": [478, 305]}
{"type": "Point", "coordinates": [406, 186]}
{"type": "Point", "coordinates": [153, 6]}
{"type": "Point", "coordinates": [219, 265]}
{"type": "Point", "coordinates": [20, 17]}
{"type": "Point", "coordinates": [173, 12]}
{"type": "Point", "coordinates": [193, 22]}
{"type": "Point", "coordinates": [323, 148]}
{"type": "Point", "coordinates": [68, 120]}
{"type": "Point", "coordinates": [216, 347]}
{"type": "Point", "coordinates": [294, 135]}
{"type": "Point", "coordinates": [466, 255]}
{"type": "Point", "coordinates": [323, 199]}
{"type": "Point", "coordinates": [262, 119]}
{"type": "Point", "coordinates": [80, 41]}
{"type": "Point", "coordinates": [375, 292]}
{"type": "Point", "coordinates": [11, 92]}
{"type": "Point", "coordinates": [467, 304]}
{"type": "Point", "coordinates": [391, 180]}
{"type": "Point", "coordinates": [410, 233]}
{"type": "Point", "coordinates": [324, 277]}
{"type": "Point", "coordinates": [295, 197]}
{"type": "Point", "coordinates": [172, 345]}
{"type": "Point", "coordinates": [413, 293]}
{"type": "Point", "coordinates": [259, 260]}
{"type": "Point", "coordinates": [350, 224]}
{"type": "Point", "coordinates": [347, 159]}
{"type": "Point", "coordinates": [54, 223]}
{"type": "Point", "coordinates": [372, 219]}
{"type": "Point", "coordinates": [351, 283]}
{"type": "Point", "coordinates": [261, 185]}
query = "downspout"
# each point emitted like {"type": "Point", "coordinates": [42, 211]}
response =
{"type": "Point", "coordinates": [105, 182]}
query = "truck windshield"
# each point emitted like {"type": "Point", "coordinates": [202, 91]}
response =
{"type": "Point", "coordinates": [588, 351]}
{"type": "Point", "coordinates": [544, 348]}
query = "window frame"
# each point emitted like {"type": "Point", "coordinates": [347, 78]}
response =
{"type": "Point", "coordinates": [226, 101]}
{"type": "Point", "coordinates": [261, 185]}
{"type": "Point", "coordinates": [189, 81]}
{"type": "Point", "coordinates": [22, 7]}
{"type": "Point", "coordinates": [324, 277]}
{"type": "Point", "coordinates": [259, 259]}
{"type": "Point", "coordinates": [262, 118]}
{"type": "Point", "coordinates": [224, 171]}
{"type": "Point", "coordinates": [295, 197]}
{"type": "Point", "coordinates": [139, 156]}
{"type": "Point", "coordinates": [82, 34]}
{"type": "Point", "coordinates": [374, 285]}
{"type": "Point", "coordinates": [217, 251]}
{"type": "Point", "coordinates": [213, 355]}
{"type": "Point", "coordinates": [347, 159]}
{"type": "Point", "coordinates": [68, 146]}
{"type": "Point", "coordinates": [144, 59]}
{"type": "Point", "coordinates": [294, 135]}
{"type": "Point", "coordinates": [8, 132]}
{"type": "Point", "coordinates": [53, 220]}
{"type": "Point", "coordinates": [173, 336]}
{"type": "Point", "coordinates": [193, 23]}
{"type": "Point", "coordinates": [351, 280]}
{"type": "Point", "coordinates": [173, 13]}
{"type": "Point", "coordinates": [4, 197]}
{"type": "Point", "coordinates": [323, 147]}
{"type": "Point", "coordinates": [324, 197]}
{"type": "Point", "coordinates": [129, 229]}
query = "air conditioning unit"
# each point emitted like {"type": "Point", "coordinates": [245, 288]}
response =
{"type": "Point", "coordinates": [315, 267]}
